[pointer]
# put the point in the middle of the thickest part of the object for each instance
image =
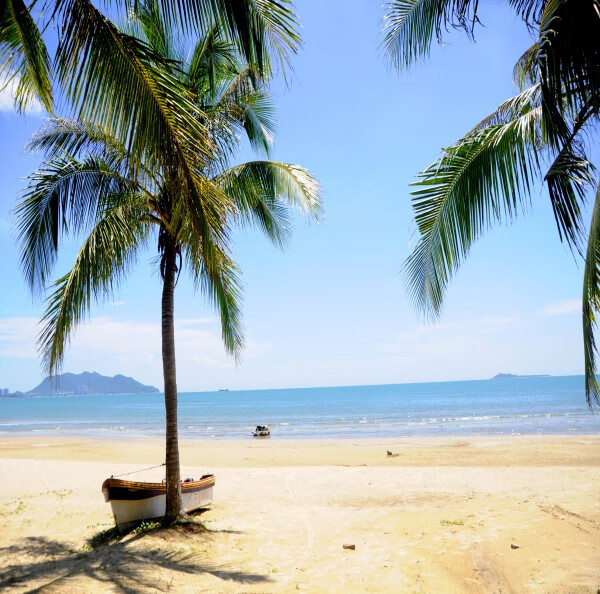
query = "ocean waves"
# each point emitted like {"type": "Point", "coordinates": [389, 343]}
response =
{"type": "Point", "coordinates": [521, 406]}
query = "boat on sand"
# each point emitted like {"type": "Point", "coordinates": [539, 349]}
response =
{"type": "Point", "coordinates": [133, 501]}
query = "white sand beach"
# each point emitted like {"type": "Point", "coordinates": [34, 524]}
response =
{"type": "Point", "coordinates": [442, 516]}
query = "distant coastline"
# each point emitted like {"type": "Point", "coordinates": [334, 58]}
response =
{"type": "Point", "coordinates": [86, 383]}
{"type": "Point", "coordinates": [513, 376]}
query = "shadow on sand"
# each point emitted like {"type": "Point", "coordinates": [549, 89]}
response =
{"type": "Point", "coordinates": [144, 562]}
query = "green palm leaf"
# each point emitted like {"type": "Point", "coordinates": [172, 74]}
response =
{"type": "Point", "coordinates": [591, 304]}
{"type": "Point", "coordinates": [259, 28]}
{"type": "Point", "coordinates": [23, 55]}
{"type": "Point", "coordinates": [118, 82]}
{"type": "Point", "coordinates": [484, 178]}
{"type": "Point", "coordinates": [217, 276]}
{"type": "Point", "coordinates": [411, 25]}
{"type": "Point", "coordinates": [102, 262]}
{"type": "Point", "coordinates": [263, 191]}
{"type": "Point", "coordinates": [62, 198]}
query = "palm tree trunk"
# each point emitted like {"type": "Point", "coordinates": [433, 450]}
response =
{"type": "Point", "coordinates": [173, 503]}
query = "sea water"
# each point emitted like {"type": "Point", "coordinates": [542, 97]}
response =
{"type": "Point", "coordinates": [534, 405]}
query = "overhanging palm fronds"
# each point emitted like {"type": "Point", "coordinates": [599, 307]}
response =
{"type": "Point", "coordinates": [484, 178]}
{"type": "Point", "coordinates": [23, 56]}
{"type": "Point", "coordinates": [216, 275]}
{"type": "Point", "coordinates": [569, 59]}
{"type": "Point", "coordinates": [591, 304]}
{"type": "Point", "coordinates": [258, 28]}
{"type": "Point", "coordinates": [410, 26]}
{"type": "Point", "coordinates": [455, 201]}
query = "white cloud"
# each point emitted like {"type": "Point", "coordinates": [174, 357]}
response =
{"type": "Point", "coordinates": [18, 337]}
{"type": "Point", "coordinates": [449, 335]}
{"type": "Point", "coordinates": [111, 346]}
{"type": "Point", "coordinates": [444, 350]}
{"type": "Point", "coordinates": [562, 308]}
{"type": "Point", "coordinates": [7, 99]}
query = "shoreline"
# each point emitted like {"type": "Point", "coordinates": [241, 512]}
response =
{"type": "Point", "coordinates": [515, 450]}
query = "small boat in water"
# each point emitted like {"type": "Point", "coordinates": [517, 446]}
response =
{"type": "Point", "coordinates": [133, 501]}
{"type": "Point", "coordinates": [262, 431]}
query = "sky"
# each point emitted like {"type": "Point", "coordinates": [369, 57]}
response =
{"type": "Point", "coordinates": [332, 309]}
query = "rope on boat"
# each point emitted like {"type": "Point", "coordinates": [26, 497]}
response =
{"type": "Point", "coordinates": [135, 471]}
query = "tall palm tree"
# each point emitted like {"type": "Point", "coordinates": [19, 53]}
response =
{"type": "Point", "coordinates": [92, 184]}
{"type": "Point", "coordinates": [487, 175]}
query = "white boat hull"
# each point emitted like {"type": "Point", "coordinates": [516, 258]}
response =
{"type": "Point", "coordinates": [133, 502]}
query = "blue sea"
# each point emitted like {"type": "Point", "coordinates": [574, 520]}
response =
{"type": "Point", "coordinates": [536, 405]}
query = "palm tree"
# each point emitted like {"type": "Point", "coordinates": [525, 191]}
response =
{"type": "Point", "coordinates": [108, 77]}
{"type": "Point", "coordinates": [487, 175]}
{"type": "Point", "coordinates": [92, 184]}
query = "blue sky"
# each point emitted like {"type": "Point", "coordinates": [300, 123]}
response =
{"type": "Point", "coordinates": [332, 309]}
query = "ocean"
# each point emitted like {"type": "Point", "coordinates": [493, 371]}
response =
{"type": "Point", "coordinates": [521, 406]}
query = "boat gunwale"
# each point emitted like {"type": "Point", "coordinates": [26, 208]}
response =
{"type": "Point", "coordinates": [111, 482]}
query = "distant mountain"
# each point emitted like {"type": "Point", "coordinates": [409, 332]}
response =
{"type": "Point", "coordinates": [512, 375]}
{"type": "Point", "coordinates": [89, 383]}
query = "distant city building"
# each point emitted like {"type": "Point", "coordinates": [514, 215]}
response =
{"type": "Point", "coordinates": [5, 392]}
{"type": "Point", "coordinates": [81, 389]}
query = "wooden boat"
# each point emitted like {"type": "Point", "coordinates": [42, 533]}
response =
{"type": "Point", "coordinates": [133, 501]}
{"type": "Point", "coordinates": [262, 431]}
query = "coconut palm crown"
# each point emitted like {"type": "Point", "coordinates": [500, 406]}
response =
{"type": "Point", "coordinates": [91, 185]}
{"type": "Point", "coordinates": [487, 175]}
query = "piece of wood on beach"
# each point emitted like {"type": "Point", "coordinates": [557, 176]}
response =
{"type": "Point", "coordinates": [351, 547]}
{"type": "Point", "coordinates": [514, 546]}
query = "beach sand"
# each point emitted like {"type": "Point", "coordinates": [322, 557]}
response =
{"type": "Point", "coordinates": [441, 516]}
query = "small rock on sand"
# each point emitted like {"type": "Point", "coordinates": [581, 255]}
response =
{"type": "Point", "coordinates": [515, 546]}
{"type": "Point", "coordinates": [349, 546]}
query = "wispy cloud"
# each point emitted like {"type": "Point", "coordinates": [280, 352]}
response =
{"type": "Point", "coordinates": [7, 99]}
{"type": "Point", "coordinates": [562, 308]}
{"type": "Point", "coordinates": [110, 346]}
{"type": "Point", "coordinates": [449, 340]}
{"type": "Point", "coordinates": [18, 337]}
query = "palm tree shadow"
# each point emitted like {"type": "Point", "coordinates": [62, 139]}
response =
{"type": "Point", "coordinates": [127, 565]}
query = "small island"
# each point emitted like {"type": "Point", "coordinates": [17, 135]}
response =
{"type": "Point", "coordinates": [513, 376]}
{"type": "Point", "coordinates": [91, 383]}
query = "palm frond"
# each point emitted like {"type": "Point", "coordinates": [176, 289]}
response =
{"type": "Point", "coordinates": [244, 103]}
{"type": "Point", "coordinates": [568, 178]}
{"type": "Point", "coordinates": [591, 305]}
{"type": "Point", "coordinates": [525, 71]}
{"type": "Point", "coordinates": [211, 58]}
{"type": "Point", "coordinates": [214, 272]}
{"type": "Point", "coordinates": [62, 198]}
{"type": "Point", "coordinates": [146, 22]}
{"type": "Point", "coordinates": [511, 109]}
{"type": "Point", "coordinates": [569, 63]}
{"type": "Point", "coordinates": [411, 25]}
{"type": "Point", "coordinates": [64, 137]}
{"type": "Point", "coordinates": [118, 82]}
{"type": "Point", "coordinates": [484, 178]}
{"type": "Point", "coordinates": [75, 139]}
{"type": "Point", "coordinates": [529, 10]}
{"type": "Point", "coordinates": [23, 56]}
{"type": "Point", "coordinates": [259, 28]}
{"type": "Point", "coordinates": [263, 191]}
{"type": "Point", "coordinates": [102, 262]}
